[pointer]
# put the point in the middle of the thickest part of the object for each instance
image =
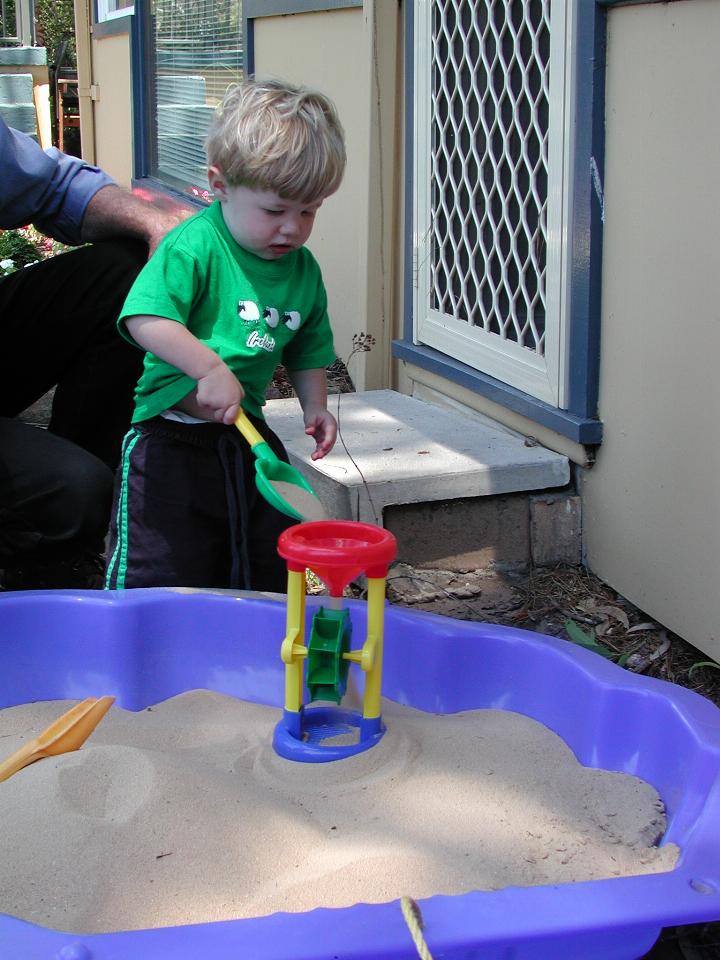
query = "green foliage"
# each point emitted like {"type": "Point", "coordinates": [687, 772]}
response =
{"type": "Point", "coordinates": [8, 22]}
{"type": "Point", "coordinates": [703, 664]}
{"type": "Point", "coordinates": [16, 247]}
{"type": "Point", "coordinates": [56, 22]}
{"type": "Point", "coordinates": [587, 640]}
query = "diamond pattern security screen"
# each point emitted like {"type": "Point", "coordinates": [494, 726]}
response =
{"type": "Point", "coordinates": [489, 82]}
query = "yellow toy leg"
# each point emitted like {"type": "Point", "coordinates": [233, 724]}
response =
{"type": "Point", "coordinates": [376, 619]}
{"type": "Point", "coordinates": [293, 650]}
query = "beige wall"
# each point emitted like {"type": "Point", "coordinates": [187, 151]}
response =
{"type": "Point", "coordinates": [112, 106]}
{"type": "Point", "coordinates": [335, 51]}
{"type": "Point", "coordinates": [652, 515]}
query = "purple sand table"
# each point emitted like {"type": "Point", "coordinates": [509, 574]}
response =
{"type": "Point", "coordinates": [143, 646]}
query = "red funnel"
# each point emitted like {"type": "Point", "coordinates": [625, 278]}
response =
{"type": "Point", "coordinates": [338, 550]}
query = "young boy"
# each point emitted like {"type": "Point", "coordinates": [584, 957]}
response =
{"type": "Point", "coordinates": [228, 295]}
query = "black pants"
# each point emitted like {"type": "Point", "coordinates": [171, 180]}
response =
{"type": "Point", "coordinates": [187, 512]}
{"type": "Point", "coordinates": [57, 326]}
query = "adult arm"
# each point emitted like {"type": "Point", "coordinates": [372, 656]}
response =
{"type": "Point", "coordinates": [55, 192]}
{"type": "Point", "coordinates": [113, 212]}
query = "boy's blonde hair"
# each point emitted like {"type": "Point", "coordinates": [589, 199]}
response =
{"type": "Point", "coordinates": [270, 135]}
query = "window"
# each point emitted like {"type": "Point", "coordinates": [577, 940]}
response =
{"type": "Point", "coordinates": [505, 140]}
{"type": "Point", "coordinates": [111, 9]}
{"type": "Point", "coordinates": [485, 210]}
{"type": "Point", "coordinates": [195, 53]}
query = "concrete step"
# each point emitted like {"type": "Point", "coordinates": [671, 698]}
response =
{"type": "Point", "coordinates": [400, 450]}
{"type": "Point", "coordinates": [20, 116]}
{"type": "Point", "coordinates": [16, 88]}
{"type": "Point", "coordinates": [23, 56]}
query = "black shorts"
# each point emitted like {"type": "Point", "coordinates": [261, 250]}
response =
{"type": "Point", "coordinates": [187, 513]}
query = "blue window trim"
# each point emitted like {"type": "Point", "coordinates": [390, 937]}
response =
{"type": "Point", "coordinates": [626, 3]}
{"type": "Point", "coordinates": [249, 38]}
{"type": "Point", "coordinates": [114, 27]}
{"type": "Point", "coordinates": [579, 421]}
{"type": "Point", "coordinates": [580, 429]}
{"type": "Point", "coordinates": [280, 8]}
{"type": "Point", "coordinates": [141, 107]}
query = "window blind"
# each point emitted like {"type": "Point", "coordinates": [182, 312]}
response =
{"type": "Point", "coordinates": [198, 53]}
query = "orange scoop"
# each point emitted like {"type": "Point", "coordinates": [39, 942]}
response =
{"type": "Point", "coordinates": [69, 732]}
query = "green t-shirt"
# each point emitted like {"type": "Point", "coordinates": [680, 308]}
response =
{"type": "Point", "coordinates": [253, 313]}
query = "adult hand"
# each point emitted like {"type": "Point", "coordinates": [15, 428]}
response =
{"type": "Point", "coordinates": [114, 212]}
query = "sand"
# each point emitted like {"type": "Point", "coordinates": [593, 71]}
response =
{"type": "Point", "coordinates": [300, 499]}
{"type": "Point", "coordinates": [183, 813]}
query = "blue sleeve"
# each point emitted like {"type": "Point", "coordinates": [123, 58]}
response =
{"type": "Point", "coordinates": [44, 187]}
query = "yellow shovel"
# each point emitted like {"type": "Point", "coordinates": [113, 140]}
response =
{"type": "Point", "coordinates": [69, 732]}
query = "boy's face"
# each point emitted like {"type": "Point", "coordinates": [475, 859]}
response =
{"type": "Point", "coordinates": [260, 220]}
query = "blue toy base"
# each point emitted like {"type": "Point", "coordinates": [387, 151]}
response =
{"type": "Point", "coordinates": [304, 736]}
{"type": "Point", "coordinates": [144, 646]}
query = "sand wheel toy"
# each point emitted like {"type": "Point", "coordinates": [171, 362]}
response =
{"type": "Point", "coordinates": [336, 551]}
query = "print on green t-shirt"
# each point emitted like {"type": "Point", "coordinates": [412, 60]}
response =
{"type": "Point", "coordinates": [253, 313]}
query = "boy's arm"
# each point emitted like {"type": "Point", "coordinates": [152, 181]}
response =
{"type": "Point", "coordinates": [311, 388]}
{"type": "Point", "coordinates": [218, 392]}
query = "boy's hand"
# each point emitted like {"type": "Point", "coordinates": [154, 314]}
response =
{"type": "Point", "coordinates": [311, 388]}
{"type": "Point", "coordinates": [320, 424]}
{"type": "Point", "coordinates": [218, 394]}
